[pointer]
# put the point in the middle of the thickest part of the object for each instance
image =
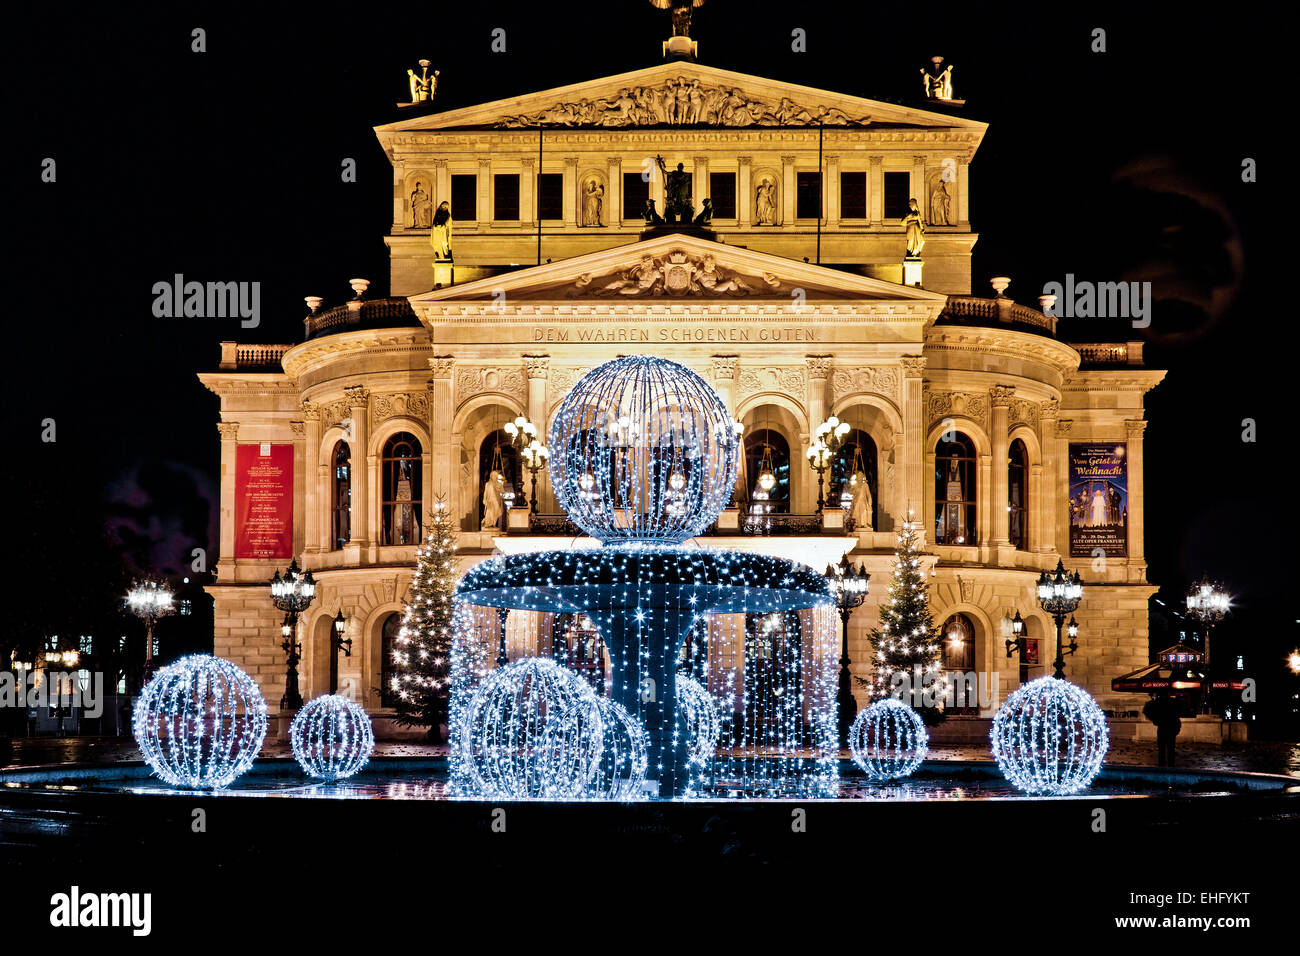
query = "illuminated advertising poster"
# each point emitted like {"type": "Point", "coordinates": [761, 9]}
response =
{"type": "Point", "coordinates": [264, 501]}
{"type": "Point", "coordinates": [1098, 499]}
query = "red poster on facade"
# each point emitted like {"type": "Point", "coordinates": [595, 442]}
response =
{"type": "Point", "coordinates": [264, 501]}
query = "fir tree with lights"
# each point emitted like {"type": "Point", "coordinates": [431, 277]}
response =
{"type": "Point", "coordinates": [422, 649]}
{"type": "Point", "coordinates": [906, 638]}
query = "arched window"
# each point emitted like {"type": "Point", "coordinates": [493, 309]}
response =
{"type": "Point", "coordinates": [766, 446]}
{"type": "Point", "coordinates": [496, 453]}
{"type": "Point", "coordinates": [959, 660]}
{"type": "Point", "coordinates": [1017, 486]}
{"type": "Point", "coordinates": [954, 490]}
{"type": "Point", "coordinates": [341, 505]}
{"type": "Point", "coordinates": [856, 457]}
{"type": "Point", "coordinates": [402, 488]}
{"type": "Point", "coordinates": [387, 669]}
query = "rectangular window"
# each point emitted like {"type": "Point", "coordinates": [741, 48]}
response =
{"type": "Point", "coordinates": [898, 190]}
{"type": "Point", "coordinates": [808, 196]}
{"type": "Point", "coordinates": [505, 191]}
{"type": "Point", "coordinates": [635, 193]}
{"type": "Point", "coordinates": [853, 195]}
{"type": "Point", "coordinates": [464, 197]}
{"type": "Point", "coordinates": [722, 190]}
{"type": "Point", "coordinates": [550, 196]}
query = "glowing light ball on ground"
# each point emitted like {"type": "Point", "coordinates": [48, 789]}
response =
{"type": "Point", "coordinates": [200, 722]}
{"type": "Point", "coordinates": [888, 740]}
{"type": "Point", "coordinates": [532, 729]}
{"type": "Point", "coordinates": [699, 718]}
{"type": "Point", "coordinates": [331, 737]}
{"type": "Point", "coordinates": [623, 762]}
{"type": "Point", "coordinates": [1050, 737]}
{"type": "Point", "coordinates": [643, 449]}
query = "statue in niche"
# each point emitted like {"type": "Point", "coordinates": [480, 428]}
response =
{"type": "Point", "coordinates": [493, 501]}
{"type": "Point", "coordinates": [593, 201]}
{"type": "Point", "coordinates": [677, 192]}
{"type": "Point", "coordinates": [440, 233]}
{"type": "Point", "coordinates": [952, 518]}
{"type": "Point", "coordinates": [861, 509]}
{"type": "Point", "coordinates": [915, 230]}
{"type": "Point", "coordinates": [765, 202]}
{"type": "Point", "coordinates": [421, 207]}
{"type": "Point", "coordinates": [940, 203]}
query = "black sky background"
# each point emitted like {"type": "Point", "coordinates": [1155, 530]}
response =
{"type": "Point", "coordinates": [225, 166]}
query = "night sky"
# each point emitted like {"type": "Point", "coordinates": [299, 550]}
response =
{"type": "Point", "coordinates": [224, 165]}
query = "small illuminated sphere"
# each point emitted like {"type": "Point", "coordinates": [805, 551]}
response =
{"type": "Point", "coordinates": [199, 722]}
{"type": "Point", "coordinates": [888, 740]}
{"type": "Point", "coordinates": [331, 737]}
{"type": "Point", "coordinates": [1049, 737]}
{"type": "Point", "coordinates": [643, 449]}
{"type": "Point", "coordinates": [623, 760]}
{"type": "Point", "coordinates": [698, 714]}
{"type": "Point", "coordinates": [531, 729]}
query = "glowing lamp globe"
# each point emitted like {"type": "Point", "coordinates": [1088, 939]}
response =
{"type": "Point", "coordinates": [1049, 737]}
{"type": "Point", "coordinates": [331, 737]}
{"type": "Point", "coordinates": [699, 717]}
{"type": "Point", "coordinates": [888, 740]}
{"type": "Point", "coordinates": [200, 722]}
{"type": "Point", "coordinates": [532, 729]}
{"type": "Point", "coordinates": [643, 449]}
{"type": "Point", "coordinates": [623, 761]}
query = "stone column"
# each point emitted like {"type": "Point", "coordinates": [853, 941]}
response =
{"type": "Point", "coordinates": [700, 182]}
{"type": "Point", "coordinates": [1042, 519]}
{"type": "Point", "coordinates": [787, 190]}
{"type": "Point", "coordinates": [725, 369]}
{"type": "Point", "coordinates": [1134, 429]}
{"type": "Point", "coordinates": [303, 499]}
{"type": "Point", "coordinates": [918, 187]}
{"type": "Point", "coordinates": [528, 193]}
{"type": "Point", "coordinates": [363, 464]}
{"type": "Point", "coordinates": [313, 472]}
{"type": "Point", "coordinates": [229, 445]}
{"type": "Point", "coordinates": [570, 192]}
{"type": "Point", "coordinates": [614, 195]}
{"type": "Point", "coordinates": [484, 185]}
{"type": "Point", "coordinates": [876, 192]}
{"type": "Point", "coordinates": [1059, 481]}
{"type": "Point", "coordinates": [1000, 399]}
{"type": "Point", "coordinates": [963, 192]}
{"type": "Point", "coordinates": [441, 183]}
{"type": "Point", "coordinates": [442, 462]}
{"type": "Point", "coordinates": [984, 505]}
{"type": "Point", "coordinates": [831, 190]}
{"type": "Point", "coordinates": [538, 369]}
{"type": "Point", "coordinates": [819, 402]}
{"type": "Point", "coordinates": [744, 192]}
{"type": "Point", "coordinates": [914, 450]}
{"type": "Point", "coordinates": [399, 200]}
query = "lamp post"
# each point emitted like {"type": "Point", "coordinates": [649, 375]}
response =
{"type": "Point", "coordinates": [831, 433]}
{"type": "Point", "coordinates": [1059, 594]}
{"type": "Point", "coordinates": [338, 643]}
{"type": "Point", "coordinates": [523, 435]}
{"type": "Point", "coordinates": [293, 594]}
{"type": "Point", "coordinates": [1017, 641]}
{"type": "Point", "coordinates": [150, 600]}
{"type": "Point", "coordinates": [850, 587]}
{"type": "Point", "coordinates": [1208, 603]}
{"type": "Point", "coordinates": [819, 457]}
{"type": "Point", "coordinates": [535, 455]}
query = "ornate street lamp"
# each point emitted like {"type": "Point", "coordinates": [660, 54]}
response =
{"type": "Point", "coordinates": [523, 435]}
{"type": "Point", "coordinates": [1017, 641]}
{"type": "Point", "coordinates": [535, 455]}
{"type": "Point", "coordinates": [850, 587]}
{"type": "Point", "coordinates": [1059, 594]}
{"type": "Point", "coordinates": [831, 433]}
{"type": "Point", "coordinates": [293, 594]}
{"type": "Point", "coordinates": [819, 457]}
{"type": "Point", "coordinates": [1208, 603]}
{"type": "Point", "coordinates": [338, 643]}
{"type": "Point", "coordinates": [150, 600]}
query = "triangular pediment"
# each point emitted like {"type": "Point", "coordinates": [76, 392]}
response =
{"type": "Point", "coordinates": [676, 267]}
{"type": "Point", "coordinates": [708, 97]}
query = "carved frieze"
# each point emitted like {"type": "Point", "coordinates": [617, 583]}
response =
{"type": "Point", "coordinates": [883, 380]}
{"type": "Point", "coordinates": [1023, 412]}
{"type": "Point", "coordinates": [561, 381]}
{"type": "Point", "coordinates": [939, 405]}
{"type": "Point", "coordinates": [787, 380]}
{"type": "Point", "coordinates": [475, 380]}
{"type": "Point", "coordinates": [409, 404]}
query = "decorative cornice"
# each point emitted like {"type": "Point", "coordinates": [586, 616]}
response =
{"type": "Point", "coordinates": [310, 412]}
{"type": "Point", "coordinates": [1051, 408]}
{"type": "Point", "coordinates": [913, 366]}
{"type": "Point", "coordinates": [1135, 427]}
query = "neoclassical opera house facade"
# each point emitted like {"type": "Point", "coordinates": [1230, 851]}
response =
{"type": "Point", "coordinates": [1013, 448]}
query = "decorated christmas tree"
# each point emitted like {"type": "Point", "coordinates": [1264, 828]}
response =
{"type": "Point", "coordinates": [422, 649]}
{"type": "Point", "coordinates": [906, 643]}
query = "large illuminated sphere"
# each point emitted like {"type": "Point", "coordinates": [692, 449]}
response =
{"type": "Point", "coordinates": [200, 722]}
{"type": "Point", "coordinates": [532, 729]}
{"type": "Point", "coordinates": [643, 449]}
{"type": "Point", "coordinates": [623, 760]}
{"type": "Point", "coordinates": [331, 737]}
{"type": "Point", "coordinates": [1050, 737]}
{"type": "Point", "coordinates": [698, 713]}
{"type": "Point", "coordinates": [888, 740]}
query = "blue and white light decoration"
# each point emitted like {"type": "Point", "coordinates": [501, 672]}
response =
{"type": "Point", "coordinates": [888, 740]}
{"type": "Point", "coordinates": [644, 456]}
{"type": "Point", "coordinates": [621, 774]}
{"type": "Point", "coordinates": [698, 717]}
{"type": "Point", "coordinates": [531, 730]}
{"type": "Point", "coordinates": [1049, 737]}
{"type": "Point", "coordinates": [331, 737]}
{"type": "Point", "coordinates": [199, 722]}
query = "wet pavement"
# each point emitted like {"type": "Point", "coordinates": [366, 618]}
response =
{"type": "Point", "coordinates": [1281, 757]}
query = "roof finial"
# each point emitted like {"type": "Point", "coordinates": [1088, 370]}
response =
{"type": "Point", "coordinates": [679, 45]}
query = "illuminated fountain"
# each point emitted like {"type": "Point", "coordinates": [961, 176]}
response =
{"type": "Point", "coordinates": [644, 457]}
